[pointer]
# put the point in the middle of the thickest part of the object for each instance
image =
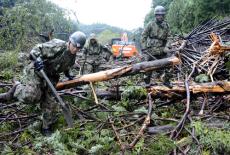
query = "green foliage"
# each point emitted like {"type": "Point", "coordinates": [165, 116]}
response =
{"type": "Point", "coordinates": [21, 24]}
{"type": "Point", "coordinates": [132, 92]}
{"type": "Point", "coordinates": [25, 137]}
{"type": "Point", "coordinates": [180, 16]}
{"type": "Point", "coordinates": [213, 139]}
{"type": "Point", "coordinates": [141, 110]}
{"type": "Point", "coordinates": [184, 15]}
{"type": "Point", "coordinates": [202, 78]}
{"type": "Point", "coordinates": [149, 17]}
{"type": "Point", "coordinates": [136, 37]}
{"type": "Point", "coordinates": [74, 141]}
{"type": "Point", "coordinates": [105, 36]}
{"type": "Point", "coordinates": [164, 3]}
{"type": "Point", "coordinates": [7, 74]}
{"type": "Point", "coordinates": [160, 145]}
{"type": "Point", "coordinates": [8, 61]}
{"type": "Point", "coordinates": [5, 127]}
{"type": "Point", "coordinates": [99, 28]}
{"type": "Point", "coordinates": [7, 150]}
{"type": "Point", "coordinates": [135, 92]}
{"type": "Point", "coordinates": [139, 146]}
{"type": "Point", "coordinates": [206, 9]}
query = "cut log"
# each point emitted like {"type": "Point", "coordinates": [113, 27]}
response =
{"type": "Point", "coordinates": [211, 87]}
{"type": "Point", "coordinates": [119, 72]}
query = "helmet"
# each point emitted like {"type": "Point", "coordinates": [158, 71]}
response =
{"type": "Point", "coordinates": [92, 36]}
{"type": "Point", "coordinates": [159, 10]}
{"type": "Point", "coordinates": [78, 39]}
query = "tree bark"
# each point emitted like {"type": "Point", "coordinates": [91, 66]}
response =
{"type": "Point", "coordinates": [119, 72]}
{"type": "Point", "coordinates": [210, 87]}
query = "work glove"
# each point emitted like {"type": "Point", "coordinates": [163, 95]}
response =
{"type": "Point", "coordinates": [38, 64]}
{"type": "Point", "coordinates": [70, 77]}
{"type": "Point", "coordinates": [67, 74]}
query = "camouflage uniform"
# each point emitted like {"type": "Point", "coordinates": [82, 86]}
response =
{"type": "Point", "coordinates": [95, 55]}
{"type": "Point", "coordinates": [33, 88]}
{"type": "Point", "coordinates": [154, 40]}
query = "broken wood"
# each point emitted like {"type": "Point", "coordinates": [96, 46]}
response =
{"type": "Point", "coordinates": [119, 72]}
{"type": "Point", "coordinates": [210, 87]}
{"type": "Point", "coordinates": [145, 124]}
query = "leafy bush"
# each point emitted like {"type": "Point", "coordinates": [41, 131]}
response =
{"type": "Point", "coordinates": [160, 145]}
{"type": "Point", "coordinates": [213, 139]}
{"type": "Point", "coordinates": [22, 23]}
{"type": "Point", "coordinates": [8, 61]}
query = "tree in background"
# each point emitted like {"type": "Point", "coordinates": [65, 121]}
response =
{"type": "Point", "coordinates": [106, 36]}
{"type": "Point", "coordinates": [22, 23]}
{"type": "Point", "coordinates": [136, 37]}
{"type": "Point", "coordinates": [180, 16]}
{"type": "Point", "coordinates": [206, 9]}
{"type": "Point", "coordinates": [183, 15]}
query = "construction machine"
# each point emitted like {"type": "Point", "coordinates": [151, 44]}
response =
{"type": "Point", "coordinates": [123, 48]}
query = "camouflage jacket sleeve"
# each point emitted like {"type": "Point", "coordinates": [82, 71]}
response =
{"type": "Point", "coordinates": [107, 53]}
{"type": "Point", "coordinates": [144, 36]}
{"type": "Point", "coordinates": [49, 49]}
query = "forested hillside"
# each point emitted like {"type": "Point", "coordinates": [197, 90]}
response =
{"type": "Point", "coordinates": [104, 32]}
{"type": "Point", "coordinates": [23, 21]}
{"type": "Point", "coordinates": [183, 15]}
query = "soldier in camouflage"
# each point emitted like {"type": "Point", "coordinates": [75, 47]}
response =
{"type": "Point", "coordinates": [55, 57]}
{"type": "Point", "coordinates": [154, 39]}
{"type": "Point", "coordinates": [95, 54]}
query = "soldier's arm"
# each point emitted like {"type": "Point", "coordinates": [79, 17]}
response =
{"type": "Point", "coordinates": [68, 74]}
{"type": "Point", "coordinates": [48, 49]}
{"type": "Point", "coordinates": [108, 53]}
{"type": "Point", "coordinates": [144, 36]}
{"type": "Point", "coordinates": [168, 41]}
{"type": "Point", "coordinates": [36, 51]}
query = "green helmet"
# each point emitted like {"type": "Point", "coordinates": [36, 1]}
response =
{"type": "Point", "coordinates": [78, 39]}
{"type": "Point", "coordinates": [159, 10]}
{"type": "Point", "coordinates": [92, 36]}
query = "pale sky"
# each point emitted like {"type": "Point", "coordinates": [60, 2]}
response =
{"type": "Point", "coordinates": [126, 14]}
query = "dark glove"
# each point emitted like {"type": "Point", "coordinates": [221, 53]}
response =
{"type": "Point", "coordinates": [70, 77]}
{"type": "Point", "coordinates": [67, 74]}
{"type": "Point", "coordinates": [38, 64]}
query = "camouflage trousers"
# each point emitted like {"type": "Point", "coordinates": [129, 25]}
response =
{"type": "Point", "coordinates": [91, 68]}
{"type": "Point", "coordinates": [35, 91]}
{"type": "Point", "coordinates": [164, 74]}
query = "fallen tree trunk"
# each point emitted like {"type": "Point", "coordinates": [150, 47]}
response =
{"type": "Point", "coordinates": [119, 72]}
{"type": "Point", "coordinates": [211, 87]}
{"type": "Point", "coordinates": [176, 91]}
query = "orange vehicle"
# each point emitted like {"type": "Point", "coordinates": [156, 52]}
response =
{"type": "Point", "coordinates": [121, 47]}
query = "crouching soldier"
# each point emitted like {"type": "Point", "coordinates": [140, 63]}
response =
{"type": "Point", "coordinates": [53, 57]}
